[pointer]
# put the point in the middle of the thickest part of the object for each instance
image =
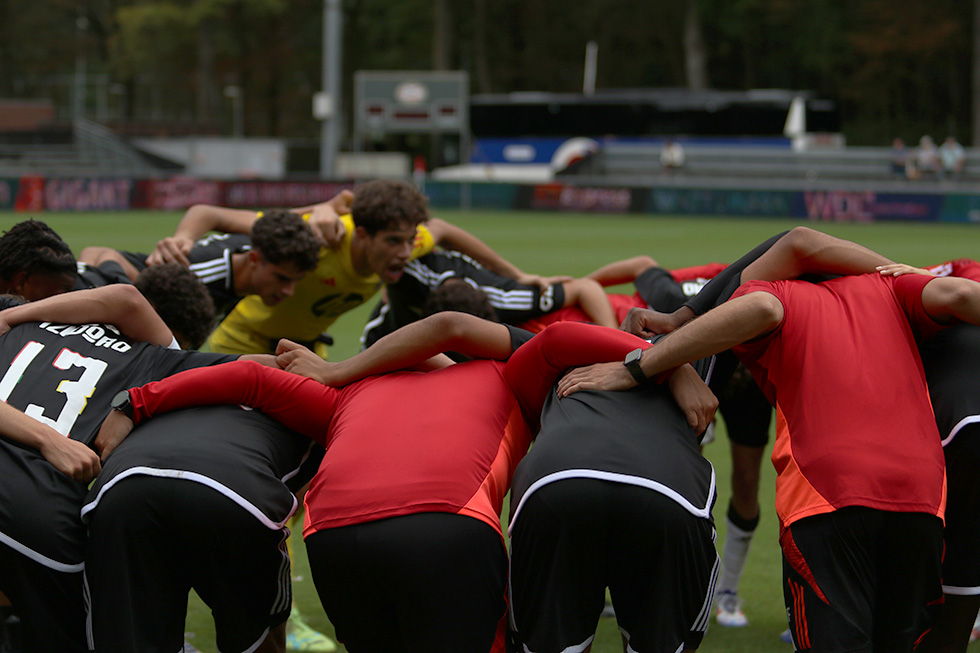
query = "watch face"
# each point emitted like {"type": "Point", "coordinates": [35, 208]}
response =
{"type": "Point", "coordinates": [120, 401]}
{"type": "Point", "coordinates": [634, 355]}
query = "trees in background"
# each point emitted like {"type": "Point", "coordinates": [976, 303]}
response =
{"type": "Point", "coordinates": [897, 67]}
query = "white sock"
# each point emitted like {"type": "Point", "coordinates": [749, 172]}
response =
{"type": "Point", "coordinates": [734, 554]}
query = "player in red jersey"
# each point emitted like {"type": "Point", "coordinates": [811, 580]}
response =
{"type": "Point", "coordinates": [391, 477]}
{"type": "Point", "coordinates": [867, 465]}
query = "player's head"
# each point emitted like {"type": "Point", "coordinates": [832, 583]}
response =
{"type": "Point", "coordinates": [181, 300]}
{"type": "Point", "coordinates": [284, 249]}
{"type": "Point", "coordinates": [457, 295]}
{"type": "Point", "coordinates": [386, 214]}
{"type": "Point", "coordinates": [35, 262]}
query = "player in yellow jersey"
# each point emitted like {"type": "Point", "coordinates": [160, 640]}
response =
{"type": "Point", "coordinates": [387, 226]}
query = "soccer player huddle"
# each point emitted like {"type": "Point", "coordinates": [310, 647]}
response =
{"type": "Point", "coordinates": [135, 470]}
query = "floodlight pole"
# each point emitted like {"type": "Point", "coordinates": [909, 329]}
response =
{"type": "Point", "coordinates": [331, 63]}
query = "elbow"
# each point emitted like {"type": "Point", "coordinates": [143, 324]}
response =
{"type": "Point", "coordinates": [769, 312]}
{"type": "Point", "coordinates": [452, 325]}
{"type": "Point", "coordinates": [802, 241]}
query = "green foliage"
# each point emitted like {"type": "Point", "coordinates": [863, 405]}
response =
{"type": "Point", "coordinates": [898, 67]}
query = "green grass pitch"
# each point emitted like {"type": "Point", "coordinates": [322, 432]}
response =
{"type": "Point", "coordinates": [575, 244]}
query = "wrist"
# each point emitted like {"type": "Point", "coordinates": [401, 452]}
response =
{"type": "Point", "coordinates": [632, 365]}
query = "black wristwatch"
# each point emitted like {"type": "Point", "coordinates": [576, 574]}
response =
{"type": "Point", "coordinates": [632, 363]}
{"type": "Point", "coordinates": [122, 403]}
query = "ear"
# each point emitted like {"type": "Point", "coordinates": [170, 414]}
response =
{"type": "Point", "coordinates": [360, 233]}
{"type": "Point", "coordinates": [254, 258]}
{"type": "Point", "coordinates": [17, 282]}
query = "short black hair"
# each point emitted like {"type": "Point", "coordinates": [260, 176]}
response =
{"type": "Point", "coordinates": [457, 295]}
{"type": "Point", "coordinates": [282, 236]}
{"type": "Point", "coordinates": [9, 301]}
{"type": "Point", "coordinates": [33, 247]}
{"type": "Point", "coordinates": [387, 204]}
{"type": "Point", "coordinates": [181, 300]}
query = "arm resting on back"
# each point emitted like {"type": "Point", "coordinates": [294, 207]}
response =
{"type": "Point", "coordinates": [118, 304]}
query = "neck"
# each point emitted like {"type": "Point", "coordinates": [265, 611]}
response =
{"type": "Point", "coordinates": [241, 274]}
{"type": "Point", "coordinates": [357, 256]}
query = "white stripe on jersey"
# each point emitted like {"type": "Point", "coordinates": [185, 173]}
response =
{"type": "Point", "coordinates": [519, 299]}
{"type": "Point", "coordinates": [214, 269]}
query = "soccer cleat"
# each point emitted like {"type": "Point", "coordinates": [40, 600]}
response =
{"type": "Point", "coordinates": [786, 636]}
{"type": "Point", "coordinates": [728, 610]}
{"type": "Point", "coordinates": [300, 637]}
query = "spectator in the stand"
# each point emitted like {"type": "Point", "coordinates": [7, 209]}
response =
{"type": "Point", "coordinates": [926, 159]}
{"type": "Point", "coordinates": [953, 158]}
{"type": "Point", "coordinates": [899, 158]}
{"type": "Point", "coordinates": [672, 155]}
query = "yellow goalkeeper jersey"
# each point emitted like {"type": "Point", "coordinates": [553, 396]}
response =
{"type": "Point", "coordinates": [322, 296]}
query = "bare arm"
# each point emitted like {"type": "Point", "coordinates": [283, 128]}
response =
{"type": "Point", "coordinates": [408, 346]}
{"type": "Point", "coordinates": [197, 222]}
{"type": "Point", "coordinates": [70, 457]}
{"type": "Point", "coordinates": [118, 304]}
{"type": "Point", "coordinates": [947, 299]}
{"type": "Point", "coordinates": [592, 299]}
{"type": "Point", "coordinates": [452, 237]}
{"type": "Point", "coordinates": [734, 322]}
{"type": "Point", "coordinates": [96, 256]}
{"type": "Point", "coordinates": [785, 256]}
{"type": "Point", "coordinates": [625, 271]}
{"type": "Point", "coordinates": [807, 251]}
{"type": "Point", "coordinates": [694, 397]}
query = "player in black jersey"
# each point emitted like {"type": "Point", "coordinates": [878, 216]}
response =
{"type": "Point", "coordinates": [195, 499]}
{"type": "Point", "coordinates": [280, 250]}
{"type": "Point", "coordinates": [63, 376]}
{"type": "Point", "coordinates": [513, 302]}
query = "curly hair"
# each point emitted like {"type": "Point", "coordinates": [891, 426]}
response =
{"type": "Point", "coordinates": [387, 204]}
{"type": "Point", "coordinates": [281, 236]}
{"type": "Point", "coordinates": [181, 300]}
{"type": "Point", "coordinates": [32, 246]}
{"type": "Point", "coordinates": [458, 295]}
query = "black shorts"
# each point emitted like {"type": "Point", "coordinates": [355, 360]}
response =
{"type": "Point", "coordinates": [576, 537]}
{"type": "Point", "coordinates": [860, 579]}
{"type": "Point", "coordinates": [154, 539]}
{"type": "Point", "coordinates": [426, 583]}
{"type": "Point", "coordinates": [746, 411]}
{"type": "Point", "coordinates": [50, 603]}
{"type": "Point", "coordinates": [42, 557]}
{"type": "Point", "coordinates": [961, 564]}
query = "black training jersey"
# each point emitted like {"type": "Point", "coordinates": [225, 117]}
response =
{"type": "Point", "coordinates": [211, 261]}
{"type": "Point", "coordinates": [638, 436]}
{"type": "Point", "coordinates": [514, 302]}
{"type": "Point", "coordinates": [951, 359]}
{"type": "Point", "coordinates": [96, 276]}
{"type": "Point", "coordinates": [65, 376]}
{"type": "Point", "coordinates": [242, 454]}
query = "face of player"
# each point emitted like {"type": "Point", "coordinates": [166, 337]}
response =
{"type": "Point", "coordinates": [275, 282]}
{"type": "Point", "coordinates": [387, 252]}
{"type": "Point", "coordinates": [39, 286]}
